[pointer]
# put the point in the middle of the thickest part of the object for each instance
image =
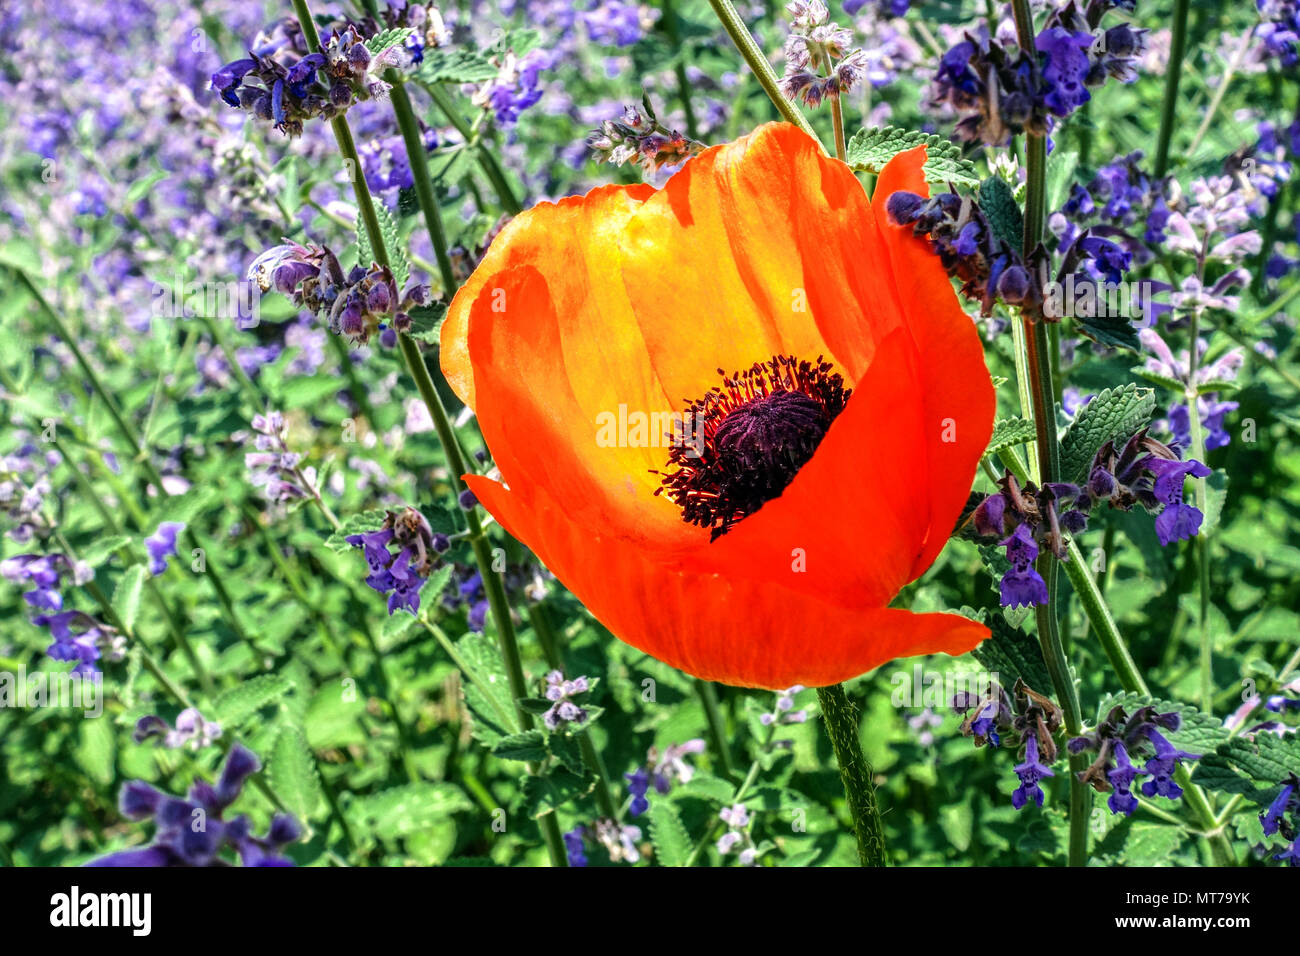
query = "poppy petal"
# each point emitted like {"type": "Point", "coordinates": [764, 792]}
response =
{"type": "Point", "coordinates": [728, 629]}
{"type": "Point", "coordinates": [959, 400]}
{"type": "Point", "coordinates": [844, 529]}
{"type": "Point", "coordinates": [753, 249]}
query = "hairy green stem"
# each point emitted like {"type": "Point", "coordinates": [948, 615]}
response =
{"type": "Point", "coordinates": [717, 727]}
{"type": "Point", "coordinates": [842, 726]}
{"type": "Point", "coordinates": [138, 449]}
{"type": "Point", "coordinates": [1039, 364]}
{"type": "Point", "coordinates": [486, 161]}
{"type": "Point", "coordinates": [1173, 73]}
{"type": "Point", "coordinates": [493, 584]}
{"type": "Point", "coordinates": [758, 63]}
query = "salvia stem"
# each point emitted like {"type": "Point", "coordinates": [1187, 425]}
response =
{"type": "Point", "coordinates": [841, 717]}
{"type": "Point", "coordinates": [717, 726]}
{"type": "Point", "coordinates": [410, 128]}
{"type": "Point", "coordinates": [1039, 364]}
{"type": "Point", "coordinates": [492, 582]}
{"type": "Point", "coordinates": [138, 449]}
{"type": "Point", "coordinates": [1173, 73]}
{"type": "Point", "coordinates": [749, 50]}
{"type": "Point", "coordinates": [487, 162]}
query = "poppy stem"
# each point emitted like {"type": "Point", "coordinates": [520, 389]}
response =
{"type": "Point", "coordinates": [841, 717]}
{"type": "Point", "coordinates": [753, 55]}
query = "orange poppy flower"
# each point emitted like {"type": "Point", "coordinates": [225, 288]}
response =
{"type": "Point", "coordinates": [592, 319]}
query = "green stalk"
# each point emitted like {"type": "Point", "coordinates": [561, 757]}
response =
{"type": "Point", "coordinates": [717, 727]}
{"type": "Point", "coordinates": [1043, 398]}
{"type": "Point", "coordinates": [492, 582]}
{"type": "Point", "coordinates": [487, 162]}
{"type": "Point", "coordinates": [1197, 452]}
{"type": "Point", "coordinates": [842, 727]}
{"type": "Point", "coordinates": [749, 50]}
{"type": "Point", "coordinates": [546, 637]}
{"type": "Point", "coordinates": [410, 128]}
{"type": "Point", "coordinates": [672, 24]}
{"type": "Point", "coordinates": [138, 449]}
{"type": "Point", "coordinates": [1173, 73]}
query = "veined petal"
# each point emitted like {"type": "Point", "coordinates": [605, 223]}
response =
{"type": "Point", "coordinates": [723, 628]}
{"type": "Point", "coordinates": [955, 387]}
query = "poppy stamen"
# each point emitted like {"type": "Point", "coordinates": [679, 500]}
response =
{"type": "Point", "coordinates": [741, 444]}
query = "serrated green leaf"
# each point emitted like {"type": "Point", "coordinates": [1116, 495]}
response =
{"type": "Point", "coordinates": [546, 794]}
{"type": "Point", "coordinates": [529, 745]}
{"type": "Point", "coordinates": [126, 597]}
{"type": "Point", "coordinates": [384, 39]}
{"type": "Point", "coordinates": [101, 548]}
{"type": "Point", "coordinates": [1002, 212]}
{"type": "Point", "coordinates": [1113, 331]}
{"type": "Point", "coordinates": [455, 65]}
{"type": "Point", "coordinates": [1012, 654]}
{"type": "Point", "coordinates": [707, 787]}
{"type": "Point", "coordinates": [1008, 432]}
{"type": "Point", "coordinates": [871, 149]}
{"type": "Point", "coordinates": [487, 690]}
{"type": "Point", "coordinates": [1216, 494]}
{"type": "Point", "coordinates": [426, 322]}
{"type": "Point", "coordinates": [567, 749]}
{"type": "Point", "coordinates": [400, 810]}
{"type": "Point", "coordinates": [1060, 172]}
{"type": "Point", "coordinates": [1114, 415]}
{"type": "Point", "coordinates": [358, 523]}
{"type": "Point", "coordinates": [1254, 768]}
{"type": "Point", "coordinates": [239, 703]}
{"type": "Point", "coordinates": [96, 751]}
{"type": "Point", "coordinates": [671, 841]}
{"type": "Point", "coordinates": [292, 773]}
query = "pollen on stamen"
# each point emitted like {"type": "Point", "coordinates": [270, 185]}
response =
{"type": "Point", "coordinates": [743, 442]}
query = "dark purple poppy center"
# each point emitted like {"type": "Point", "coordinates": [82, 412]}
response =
{"type": "Point", "coordinates": [740, 445]}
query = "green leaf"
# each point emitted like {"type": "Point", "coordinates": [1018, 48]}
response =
{"type": "Point", "coordinates": [1155, 378]}
{"type": "Point", "coordinates": [1012, 654]}
{"type": "Point", "coordinates": [671, 841]}
{"type": "Point", "coordinates": [426, 322]}
{"type": "Point", "coordinates": [292, 773]}
{"type": "Point", "coordinates": [529, 745]}
{"type": "Point", "coordinates": [1114, 415]}
{"type": "Point", "coordinates": [707, 787]}
{"type": "Point", "coordinates": [355, 524]}
{"type": "Point", "coordinates": [546, 794]}
{"type": "Point", "coordinates": [455, 65]}
{"type": "Point", "coordinates": [487, 690]}
{"type": "Point", "coordinates": [401, 810]}
{"type": "Point", "coordinates": [1008, 432]}
{"type": "Point", "coordinates": [142, 187]}
{"type": "Point", "coordinates": [101, 548]}
{"type": "Point", "coordinates": [567, 749]}
{"type": "Point", "coordinates": [393, 244]}
{"type": "Point", "coordinates": [1113, 331]}
{"type": "Point", "coordinates": [96, 751]}
{"type": "Point", "coordinates": [126, 598]}
{"type": "Point", "coordinates": [1060, 172]}
{"type": "Point", "coordinates": [1253, 768]}
{"type": "Point", "coordinates": [239, 703]}
{"type": "Point", "coordinates": [1002, 212]}
{"type": "Point", "coordinates": [186, 507]}
{"type": "Point", "coordinates": [871, 149]}
{"type": "Point", "coordinates": [384, 39]}
{"type": "Point", "coordinates": [1216, 493]}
